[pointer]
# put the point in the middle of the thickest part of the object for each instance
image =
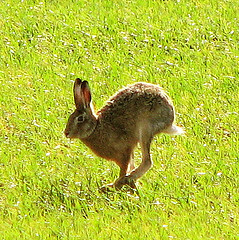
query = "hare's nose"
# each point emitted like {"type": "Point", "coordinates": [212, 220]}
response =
{"type": "Point", "coordinates": [66, 133]}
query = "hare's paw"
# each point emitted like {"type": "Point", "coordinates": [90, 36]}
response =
{"type": "Point", "coordinates": [126, 180]}
{"type": "Point", "coordinates": [107, 188]}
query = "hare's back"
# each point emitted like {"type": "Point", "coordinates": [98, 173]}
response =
{"type": "Point", "coordinates": [137, 101]}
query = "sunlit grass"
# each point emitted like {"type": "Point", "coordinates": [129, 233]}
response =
{"type": "Point", "coordinates": [49, 186]}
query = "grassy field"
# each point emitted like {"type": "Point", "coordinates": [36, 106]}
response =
{"type": "Point", "coordinates": [49, 187]}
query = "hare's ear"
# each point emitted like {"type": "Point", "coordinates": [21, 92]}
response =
{"type": "Point", "coordinates": [86, 94]}
{"type": "Point", "coordinates": [77, 94]}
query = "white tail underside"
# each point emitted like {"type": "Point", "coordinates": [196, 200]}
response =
{"type": "Point", "coordinates": [174, 130]}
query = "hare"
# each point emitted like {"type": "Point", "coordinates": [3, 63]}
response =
{"type": "Point", "coordinates": [133, 115]}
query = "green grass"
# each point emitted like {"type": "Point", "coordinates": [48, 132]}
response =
{"type": "Point", "coordinates": [49, 187]}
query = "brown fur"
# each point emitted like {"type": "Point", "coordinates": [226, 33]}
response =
{"type": "Point", "coordinates": [134, 115]}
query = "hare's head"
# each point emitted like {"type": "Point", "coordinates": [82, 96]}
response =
{"type": "Point", "coordinates": [82, 121]}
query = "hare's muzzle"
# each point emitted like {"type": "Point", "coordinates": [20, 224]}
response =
{"type": "Point", "coordinates": [67, 133]}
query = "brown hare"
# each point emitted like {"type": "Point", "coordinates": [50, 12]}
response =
{"type": "Point", "coordinates": [134, 115]}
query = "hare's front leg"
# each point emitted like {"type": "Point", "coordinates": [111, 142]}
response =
{"type": "Point", "coordinates": [126, 164]}
{"type": "Point", "coordinates": [143, 167]}
{"type": "Point", "coordinates": [126, 167]}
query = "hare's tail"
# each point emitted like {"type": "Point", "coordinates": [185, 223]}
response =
{"type": "Point", "coordinates": [174, 130]}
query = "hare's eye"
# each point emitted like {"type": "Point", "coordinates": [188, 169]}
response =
{"type": "Point", "coordinates": [80, 118]}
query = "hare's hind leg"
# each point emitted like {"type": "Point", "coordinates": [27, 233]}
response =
{"type": "Point", "coordinates": [146, 160]}
{"type": "Point", "coordinates": [131, 165]}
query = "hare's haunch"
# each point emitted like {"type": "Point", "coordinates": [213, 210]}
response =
{"type": "Point", "coordinates": [133, 115]}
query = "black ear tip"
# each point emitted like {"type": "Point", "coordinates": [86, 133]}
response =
{"type": "Point", "coordinates": [78, 81]}
{"type": "Point", "coordinates": [85, 83]}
